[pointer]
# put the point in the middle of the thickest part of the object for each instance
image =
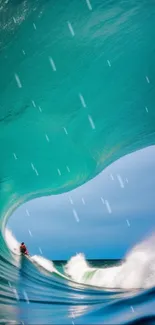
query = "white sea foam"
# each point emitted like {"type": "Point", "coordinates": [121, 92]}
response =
{"type": "Point", "coordinates": [12, 242]}
{"type": "Point", "coordinates": [43, 262]}
{"type": "Point", "coordinates": [137, 271]}
{"type": "Point", "coordinates": [14, 247]}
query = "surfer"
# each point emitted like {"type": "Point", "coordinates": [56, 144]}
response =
{"type": "Point", "coordinates": [23, 249]}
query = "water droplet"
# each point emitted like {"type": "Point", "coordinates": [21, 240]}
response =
{"type": "Point", "coordinates": [83, 201]}
{"type": "Point", "coordinates": [33, 103]}
{"type": "Point", "coordinates": [82, 100]}
{"type": "Point", "coordinates": [128, 223]}
{"type": "Point", "coordinates": [76, 215]}
{"type": "Point", "coordinates": [52, 64]}
{"type": "Point", "coordinates": [15, 156]}
{"type": "Point", "coordinates": [102, 200]}
{"type": "Point", "coordinates": [89, 4]}
{"type": "Point", "coordinates": [36, 172]}
{"type": "Point", "coordinates": [120, 181]}
{"type": "Point", "coordinates": [40, 250]}
{"type": "Point", "coordinates": [71, 201]}
{"type": "Point", "coordinates": [65, 130]}
{"type": "Point", "coordinates": [30, 232]}
{"type": "Point", "coordinates": [108, 206]}
{"type": "Point", "coordinates": [18, 81]}
{"type": "Point", "coordinates": [47, 138]}
{"type": "Point", "coordinates": [109, 64]}
{"type": "Point", "coordinates": [112, 177]}
{"type": "Point", "coordinates": [59, 172]}
{"type": "Point", "coordinates": [71, 28]}
{"type": "Point", "coordinates": [27, 212]}
{"type": "Point", "coordinates": [34, 25]}
{"type": "Point", "coordinates": [32, 166]}
{"type": "Point", "coordinates": [91, 122]}
{"type": "Point", "coordinates": [147, 79]}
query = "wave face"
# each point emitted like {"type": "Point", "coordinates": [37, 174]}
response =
{"type": "Point", "coordinates": [76, 93]}
{"type": "Point", "coordinates": [77, 291]}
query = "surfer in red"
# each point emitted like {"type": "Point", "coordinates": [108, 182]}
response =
{"type": "Point", "coordinates": [23, 249]}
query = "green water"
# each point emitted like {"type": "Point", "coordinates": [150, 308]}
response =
{"type": "Point", "coordinates": [109, 61]}
{"type": "Point", "coordinates": [77, 92]}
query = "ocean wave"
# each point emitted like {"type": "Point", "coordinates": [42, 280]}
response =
{"type": "Point", "coordinates": [137, 271]}
{"type": "Point", "coordinates": [79, 287]}
{"type": "Point", "coordinates": [77, 93]}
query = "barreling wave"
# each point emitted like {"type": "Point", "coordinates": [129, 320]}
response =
{"type": "Point", "coordinates": [76, 93]}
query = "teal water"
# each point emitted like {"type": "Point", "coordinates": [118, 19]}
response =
{"type": "Point", "coordinates": [76, 93]}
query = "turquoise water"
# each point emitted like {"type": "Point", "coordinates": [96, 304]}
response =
{"type": "Point", "coordinates": [76, 93]}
